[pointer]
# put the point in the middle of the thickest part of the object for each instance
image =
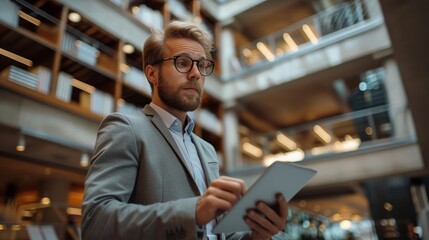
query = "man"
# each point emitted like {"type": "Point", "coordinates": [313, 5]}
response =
{"type": "Point", "coordinates": [150, 176]}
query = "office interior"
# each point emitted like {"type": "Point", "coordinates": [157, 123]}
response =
{"type": "Point", "coordinates": [339, 86]}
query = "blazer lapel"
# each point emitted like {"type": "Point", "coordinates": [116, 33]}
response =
{"type": "Point", "coordinates": [204, 161]}
{"type": "Point", "coordinates": [159, 124]}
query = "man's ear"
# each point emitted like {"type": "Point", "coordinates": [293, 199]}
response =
{"type": "Point", "coordinates": [152, 74]}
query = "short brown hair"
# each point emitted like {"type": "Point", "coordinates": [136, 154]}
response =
{"type": "Point", "coordinates": [154, 47]}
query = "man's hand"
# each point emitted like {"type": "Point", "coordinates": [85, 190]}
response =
{"type": "Point", "coordinates": [267, 222]}
{"type": "Point", "coordinates": [220, 196]}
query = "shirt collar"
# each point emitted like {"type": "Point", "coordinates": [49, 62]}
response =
{"type": "Point", "coordinates": [171, 121]}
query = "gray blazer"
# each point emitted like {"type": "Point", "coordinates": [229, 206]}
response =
{"type": "Point", "coordinates": [138, 185]}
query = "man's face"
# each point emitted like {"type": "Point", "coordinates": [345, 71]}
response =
{"type": "Point", "coordinates": [180, 91]}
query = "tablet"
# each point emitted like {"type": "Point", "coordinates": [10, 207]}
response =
{"type": "Point", "coordinates": [279, 177]}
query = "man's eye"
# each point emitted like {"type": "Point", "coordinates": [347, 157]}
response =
{"type": "Point", "coordinates": [182, 63]}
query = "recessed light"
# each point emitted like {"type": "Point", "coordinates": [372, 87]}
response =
{"type": "Point", "coordinates": [128, 48]}
{"type": "Point", "coordinates": [74, 17]}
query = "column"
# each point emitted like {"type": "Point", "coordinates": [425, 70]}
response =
{"type": "Point", "coordinates": [406, 23]}
{"type": "Point", "coordinates": [231, 138]}
{"type": "Point", "coordinates": [403, 124]}
{"type": "Point", "coordinates": [229, 61]}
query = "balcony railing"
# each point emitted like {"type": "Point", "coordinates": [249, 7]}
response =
{"type": "Point", "coordinates": [324, 138]}
{"type": "Point", "coordinates": [306, 33]}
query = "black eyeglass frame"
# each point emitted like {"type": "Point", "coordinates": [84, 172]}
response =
{"type": "Point", "coordinates": [174, 58]}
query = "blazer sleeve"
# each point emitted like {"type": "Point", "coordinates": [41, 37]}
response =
{"type": "Point", "coordinates": [107, 213]}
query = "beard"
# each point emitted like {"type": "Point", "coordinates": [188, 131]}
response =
{"type": "Point", "coordinates": [176, 99]}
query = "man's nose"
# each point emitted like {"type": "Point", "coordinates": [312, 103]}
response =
{"type": "Point", "coordinates": [195, 70]}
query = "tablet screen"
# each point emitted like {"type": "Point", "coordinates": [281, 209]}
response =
{"type": "Point", "coordinates": [279, 177]}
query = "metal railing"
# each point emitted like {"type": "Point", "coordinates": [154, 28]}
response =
{"type": "Point", "coordinates": [305, 33]}
{"type": "Point", "coordinates": [324, 138]}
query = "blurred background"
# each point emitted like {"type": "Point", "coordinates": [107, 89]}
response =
{"type": "Point", "coordinates": [340, 86]}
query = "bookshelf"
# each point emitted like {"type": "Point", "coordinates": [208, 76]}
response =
{"type": "Point", "coordinates": [71, 65]}
{"type": "Point", "coordinates": [79, 67]}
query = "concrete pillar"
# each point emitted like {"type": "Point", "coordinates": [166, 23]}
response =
{"type": "Point", "coordinates": [229, 61]}
{"type": "Point", "coordinates": [403, 124]}
{"type": "Point", "coordinates": [231, 139]}
{"type": "Point", "coordinates": [406, 22]}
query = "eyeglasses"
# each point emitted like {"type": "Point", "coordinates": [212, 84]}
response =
{"type": "Point", "coordinates": [184, 64]}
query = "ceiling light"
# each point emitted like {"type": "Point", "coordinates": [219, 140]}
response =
{"type": "Point", "coordinates": [349, 144]}
{"type": "Point", "coordinates": [247, 53]}
{"type": "Point", "coordinates": [363, 86]}
{"type": "Point", "coordinates": [84, 160]}
{"type": "Point", "coordinates": [265, 51]}
{"type": "Point", "coordinates": [336, 217]}
{"type": "Point", "coordinates": [290, 42]}
{"type": "Point", "coordinates": [388, 206]}
{"type": "Point", "coordinates": [20, 147]}
{"type": "Point", "coordinates": [45, 201]}
{"type": "Point", "coordinates": [252, 149]}
{"type": "Point", "coordinates": [345, 224]}
{"type": "Point", "coordinates": [322, 134]}
{"type": "Point", "coordinates": [368, 131]}
{"type": "Point", "coordinates": [292, 156]}
{"type": "Point", "coordinates": [29, 18]}
{"type": "Point", "coordinates": [310, 34]}
{"type": "Point", "coordinates": [135, 10]}
{"type": "Point", "coordinates": [75, 17]}
{"type": "Point", "coordinates": [128, 48]}
{"type": "Point", "coordinates": [285, 141]}
{"type": "Point", "coordinates": [16, 57]}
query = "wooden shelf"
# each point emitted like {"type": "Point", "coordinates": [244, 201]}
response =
{"type": "Point", "coordinates": [49, 100]}
{"type": "Point", "coordinates": [51, 8]}
{"type": "Point", "coordinates": [20, 41]}
{"type": "Point", "coordinates": [42, 19]}
{"type": "Point", "coordinates": [11, 35]}
{"type": "Point", "coordinates": [91, 74]}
